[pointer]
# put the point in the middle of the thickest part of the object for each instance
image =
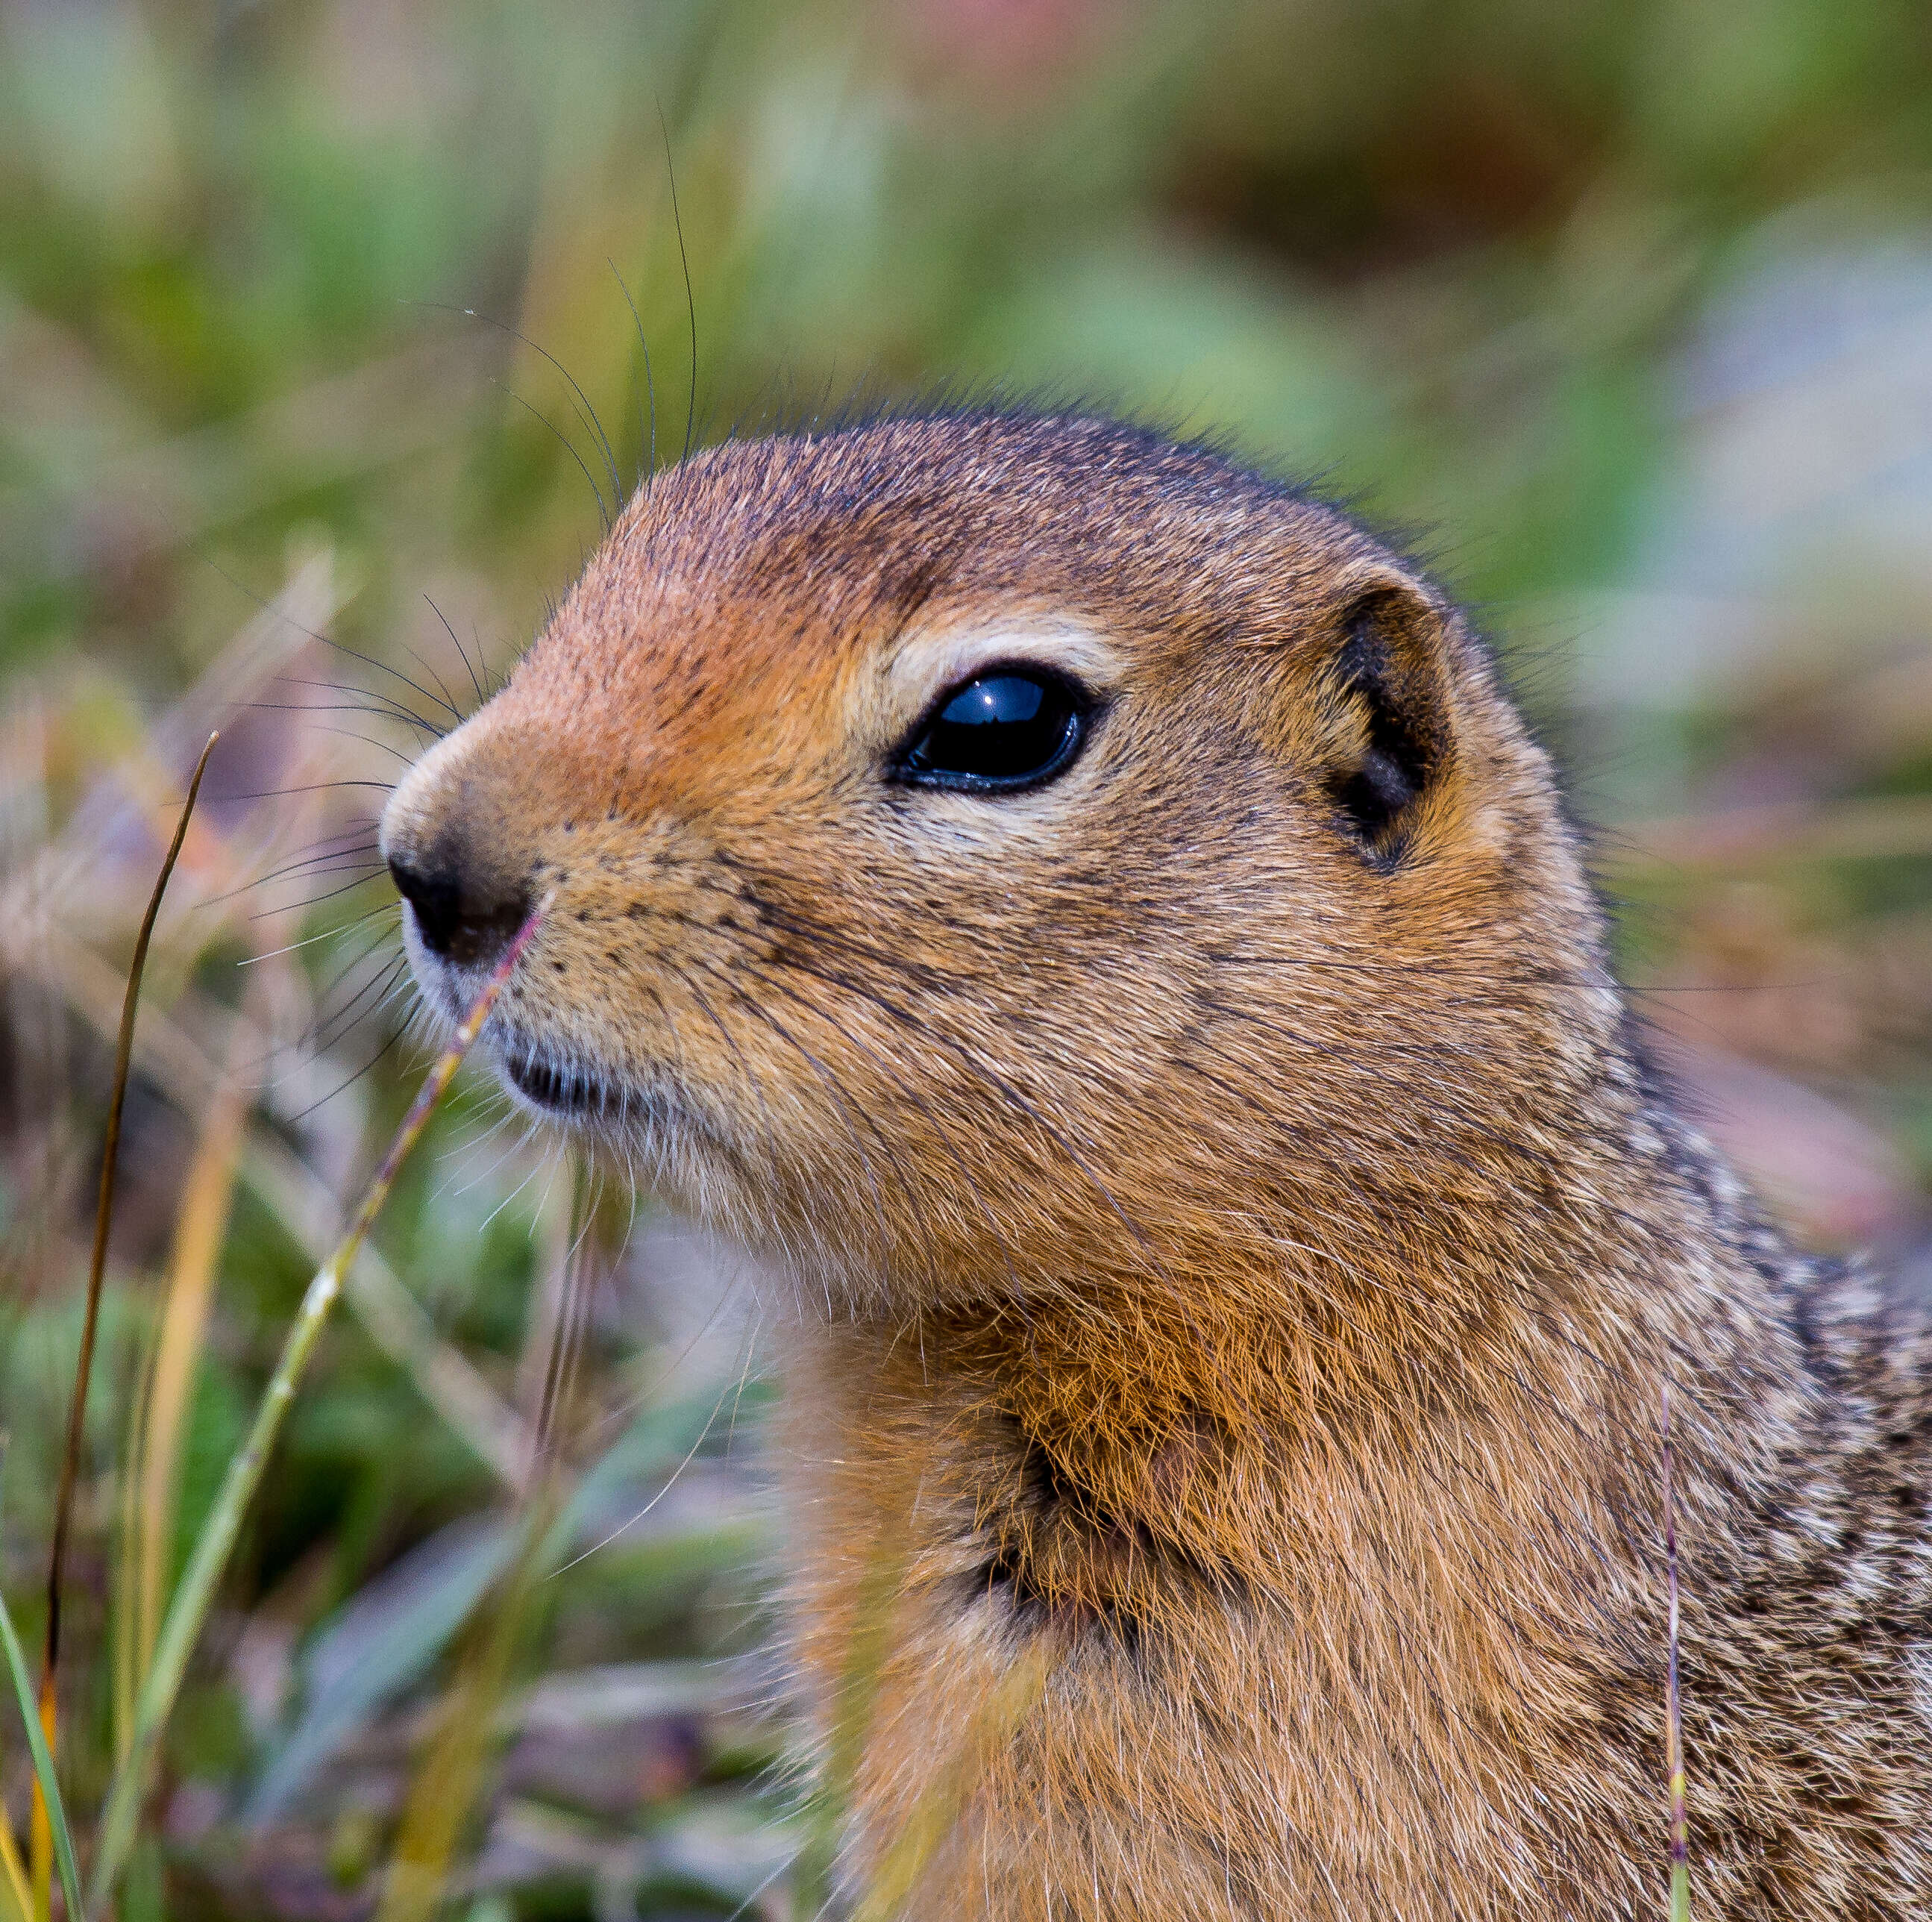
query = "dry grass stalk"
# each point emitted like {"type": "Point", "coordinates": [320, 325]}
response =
{"type": "Point", "coordinates": [16, 1901]}
{"type": "Point", "coordinates": [1680, 1820]}
{"type": "Point", "coordinates": [450, 1777]}
{"type": "Point", "coordinates": [41, 1842]}
{"type": "Point", "coordinates": [13, 1875]}
{"type": "Point", "coordinates": [188, 1610]}
{"type": "Point", "coordinates": [198, 1238]}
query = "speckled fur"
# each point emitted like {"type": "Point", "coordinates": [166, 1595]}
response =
{"type": "Point", "coordinates": [1237, 1257]}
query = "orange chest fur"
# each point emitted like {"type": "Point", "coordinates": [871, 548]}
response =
{"type": "Point", "coordinates": [1158, 1673]}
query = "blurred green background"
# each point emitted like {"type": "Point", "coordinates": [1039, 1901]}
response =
{"type": "Point", "coordinates": [1619, 313]}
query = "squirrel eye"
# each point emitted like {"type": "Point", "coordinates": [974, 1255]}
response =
{"type": "Point", "coordinates": [1007, 727]}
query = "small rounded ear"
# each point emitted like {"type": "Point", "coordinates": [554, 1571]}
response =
{"type": "Point", "coordinates": [1384, 688]}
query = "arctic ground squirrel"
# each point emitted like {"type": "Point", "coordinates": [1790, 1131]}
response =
{"type": "Point", "coordinates": [1090, 919]}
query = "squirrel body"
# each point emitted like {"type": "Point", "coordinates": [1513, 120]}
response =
{"type": "Point", "coordinates": [1240, 1251]}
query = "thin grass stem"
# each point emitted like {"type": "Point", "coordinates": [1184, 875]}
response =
{"type": "Point", "coordinates": [188, 1610]}
{"type": "Point", "coordinates": [1680, 1819]}
{"type": "Point", "coordinates": [202, 1221]}
{"type": "Point", "coordinates": [103, 1215]}
{"type": "Point", "coordinates": [46, 1787]}
{"type": "Point", "coordinates": [13, 1875]}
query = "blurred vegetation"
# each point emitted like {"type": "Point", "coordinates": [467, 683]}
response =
{"type": "Point", "coordinates": [1620, 313]}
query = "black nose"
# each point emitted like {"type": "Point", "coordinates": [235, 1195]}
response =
{"type": "Point", "coordinates": [463, 913]}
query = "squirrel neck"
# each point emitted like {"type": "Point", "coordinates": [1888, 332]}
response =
{"type": "Point", "coordinates": [1393, 1577]}
{"type": "Point", "coordinates": [1094, 1463]}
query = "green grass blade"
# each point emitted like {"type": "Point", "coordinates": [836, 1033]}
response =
{"type": "Point", "coordinates": [43, 1768]}
{"type": "Point", "coordinates": [188, 1610]}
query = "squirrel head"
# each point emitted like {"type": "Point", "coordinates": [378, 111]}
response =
{"type": "Point", "coordinates": [988, 854]}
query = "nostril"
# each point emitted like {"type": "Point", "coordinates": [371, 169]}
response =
{"type": "Point", "coordinates": [461, 916]}
{"type": "Point", "coordinates": [437, 899]}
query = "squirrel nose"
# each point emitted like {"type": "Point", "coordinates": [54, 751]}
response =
{"type": "Point", "coordinates": [463, 914]}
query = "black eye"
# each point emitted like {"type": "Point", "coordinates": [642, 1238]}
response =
{"type": "Point", "coordinates": [1007, 727]}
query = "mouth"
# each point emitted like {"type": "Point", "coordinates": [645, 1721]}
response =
{"type": "Point", "coordinates": [571, 1092]}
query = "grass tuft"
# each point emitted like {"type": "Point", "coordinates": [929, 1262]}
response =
{"type": "Point", "coordinates": [189, 1609]}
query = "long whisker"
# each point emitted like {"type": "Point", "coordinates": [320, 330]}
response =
{"type": "Point", "coordinates": [376, 712]}
{"type": "Point", "coordinates": [310, 1042]}
{"type": "Point", "coordinates": [649, 451]}
{"type": "Point", "coordinates": [462, 653]}
{"type": "Point", "coordinates": [337, 1026]}
{"type": "Point", "coordinates": [690, 297]}
{"type": "Point", "coordinates": [319, 867]}
{"type": "Point", "coordinates": [349, 734]}
{"type": "Point", "coordinates": [327, 934]}
{"type": "Point", "coordinates": [306, 862]}
{"type": "Point", "coordinates": [311, 1046]}
{"type": "Point", "coordinates": [271, 607]}
{"type": "Point", "coordinates": [316, 900]}
{"type": "Point", "coordinates": [398, 710]}
{"type": "Point", "coordinates": [583, 399]}
{"type": "Point", "coordinates": [563, 441]}
{"type": "Point", "coordinates": [383, 936]}
{"type": "Point", "coordinates": [312, 788]}
{"type": "Point", "coordinates": [388, 1046]}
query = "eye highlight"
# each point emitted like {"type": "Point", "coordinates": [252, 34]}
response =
{"type": "Point", "coordinates": [1008, 727]}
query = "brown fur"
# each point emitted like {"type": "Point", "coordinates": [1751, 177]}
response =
{"type": "Point", "coordinates": [1239, 1252]}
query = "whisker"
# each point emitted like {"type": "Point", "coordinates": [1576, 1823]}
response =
{"type": "Point", "coordinates": [316, 900]}
{"type": "Point", "coordinates": [462, 655]}
{"type": "Point", "coordinates": [380, 984]}
{"type": "Point", "coordinates": [307, 861]}
{"type": "Point", "coordinates": [670, 1481]}
{"type": "Point", "coordinates": [387, 1047]}
{"type": "Point", "coordinates": [318, 867]}
{"type": "Point", "coordinates": [349, 734]}
{"type": "Point", "coordinates": [308, 1042]}
{"type": "Point", "coordinates": [375, 712]}
{"type": "Point", "coordinates": [458, 1188]}
{"type": "Point", "coordinates": [522, 1141]}
{"type": "Point", "coordinates": [690, 297]}
{"type": "Point", "coordinates": [327, 934]}
{"type": "Point", "coordinates": [603, 513]}
{"type": "Point", "coordinates": [583, 399]}
{"type": "Point", "coordinates": [385, 983]}
{"type": "Point", "coordinates": [269, 607]}
{"type": "Point", "coordinates": [388, 703]}
{"type": "Point", "coordinates": [444, 698]}
{"type": "Point", "coordinates": [647, 449]}
{"type": "Point", "coordinates": [313, 788]}
{"type": "Point", "coordinates": [368, 948]}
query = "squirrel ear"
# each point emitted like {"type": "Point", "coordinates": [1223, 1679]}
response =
{"type": "Point", "coordinates": [1385, 683]}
